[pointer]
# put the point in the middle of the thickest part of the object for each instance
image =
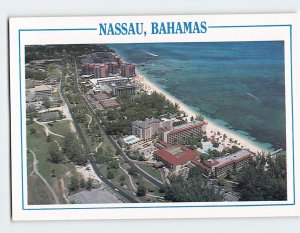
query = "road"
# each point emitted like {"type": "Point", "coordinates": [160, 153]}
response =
{"type": "Point", "coordinates": [36, 171]}
{"type": "Point", "coordinates": [144, 174]}
{"type": "Point", "coordinates": [123, 194]}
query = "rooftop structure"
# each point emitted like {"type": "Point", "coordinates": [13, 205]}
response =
{"type": "Point", "coordinates": [42, 88]}
{"type": "Point", "coordinates": [109, 103]}
{"type": "Point", "coordinates": [109, 80]}
{"type": "Point", "coordinates": [101, 96]}
{"type": "Point", "coordinates": [175, 156]}
{"type": "Point", "coordinates": [146, 123]}
{"type": "Point", "coordinates": [123, 89]}
{"type": "Point", "coordinates": [42, 91]}
{"type": "Point", "coordinates": [221, 165]}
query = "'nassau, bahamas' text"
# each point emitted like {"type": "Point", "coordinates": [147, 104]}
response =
{"type": "Point", "coordinates": [157, 28]}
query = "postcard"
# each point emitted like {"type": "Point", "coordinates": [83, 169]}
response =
{"type": "Point", "coordinates": [174, 116]}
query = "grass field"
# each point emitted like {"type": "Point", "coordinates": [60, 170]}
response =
{"type": "Point", "coordinates": [38, 193]}
{"type": "Point", "coordinates": [60, 127]}
{"type": "Point", "coordinates": [151, 170]}
{"type": "Point", "coordinates": [116, 180]}
{"type": "Point", "coordinates": [38, 143]}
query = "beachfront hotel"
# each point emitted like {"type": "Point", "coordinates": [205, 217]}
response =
{"type": "Point", "coordinates": [219, 166]}
{"type": "Point", "coordinates": [127, 70]}
{"type": "Point", "coordinates": [166, 132]}
{"type": "Point", "coordinates": [149, 127]}
{"type": "Point", "coordinates": [179, 134]}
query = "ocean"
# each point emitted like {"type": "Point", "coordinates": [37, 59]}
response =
{"type": "Point", "coordinates": [238, 85]}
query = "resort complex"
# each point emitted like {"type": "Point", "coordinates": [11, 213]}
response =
{"type": "Point", "coordinates": [107, 127]}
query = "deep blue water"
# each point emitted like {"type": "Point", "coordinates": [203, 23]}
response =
{"type": "Point", "coordinates": [237, 84]}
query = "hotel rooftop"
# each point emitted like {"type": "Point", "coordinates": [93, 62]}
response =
{"type": "Point", "coordinates": [188, 125]}
{"type": "Point", "coordinates": [226, 160]}
{"type": "Point", "coordinates": [176, 155]}
{"type": "Point", "coordinates": [146, 123]}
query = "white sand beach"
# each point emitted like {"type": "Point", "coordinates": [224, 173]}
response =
{"type": "Point", "coordinates": [212, 128]}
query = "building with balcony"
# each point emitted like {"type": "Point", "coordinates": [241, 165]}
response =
{"type": "Point", "coordinates": [179, 135]}
{"type": "Point", "coordinates": [127, 70]}
{"type": "Point", "coordinates": [148, 128]}
{"type": "Point", "coordinates": [219, 166]}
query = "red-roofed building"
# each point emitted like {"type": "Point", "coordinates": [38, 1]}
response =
{"type": "Point", "coordinates": [175, 157]}
{"type": "Point", "coordinates": [101, 96]}
{"type": "Point", "coordinates": [109, 103]}
{"type": "Point", "coordinates": [219, 166]}
{"type": "Point", "coordinates": [206, 170]}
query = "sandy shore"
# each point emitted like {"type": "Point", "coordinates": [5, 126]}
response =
{"type": "Point", "coordinates": [212, 128]}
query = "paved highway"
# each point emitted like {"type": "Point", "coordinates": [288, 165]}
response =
{"type": "Point", "coordinates": [125, 195]}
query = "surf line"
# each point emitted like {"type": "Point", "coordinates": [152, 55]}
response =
{"type": "Point", "coordinates": [253, 96]}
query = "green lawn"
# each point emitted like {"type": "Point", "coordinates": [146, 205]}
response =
{"type": "Point", "coordinates": [151, 170]}
{"type": "Point", "coordinates": [60, 127]}
{"type": "Point", "coordinates": [116, 180]}
{"type": "Point", "coordinates": [29, 163]}
{"type": "Point", "coordinates": [38, 193]}
{"type": "Point", "coordinates": [38, 143]}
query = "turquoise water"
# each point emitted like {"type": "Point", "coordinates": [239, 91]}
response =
{"type": "Point", "coordinates": [239, 85]}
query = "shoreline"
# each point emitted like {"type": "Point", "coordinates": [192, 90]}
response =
{"type": "Point", "coordinates": [212, 128]}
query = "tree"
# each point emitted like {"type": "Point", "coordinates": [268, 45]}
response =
{"type": "Point", "coordinates": [110, 174]}
{"type": "Point", "coordinates": [132, 171]}
{"type": "Point", "coordinates": [73, 149]}
{"type": "Point", "coordinates": [49, 138]}
{"type": "Point", "coordinates": [141, 190]}
{"type": "Point", "coordinates": [215, 144]}
{"type": "Point", "coordinates": [32, 131]}
{"type": "Point", "coordinates": [122, 180]}
{"type": "Point", "coordinates": [221, 182]}
{"type": "Point", "coordinates": [54, 153]}
{"type": "Point", "coordinates": [114, 164]}
{"type": "Point", "coordinates": [82, 182]}
{"type": "Point", "coordinates": [31, 112]}
{"type": "Point", "coordinates": [46, 103]}
{"type": "Point", "coordinates": [193, 189]}
{"type": "Point", "coordinates": [199, 118]}
{"type": "Point", "coordinates": [263, 179]}
{"type": "Point", "coordinates": [74, 183]}
{"type": "Point", "coordinates": [89, 184]}
{"type": "Point", "coordinates": [53, 173]}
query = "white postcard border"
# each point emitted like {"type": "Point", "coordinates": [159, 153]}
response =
{"type": "Point", "coordinates": [27, 31]}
